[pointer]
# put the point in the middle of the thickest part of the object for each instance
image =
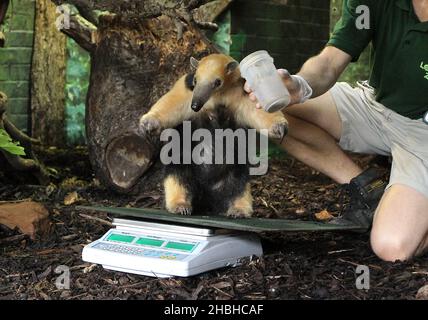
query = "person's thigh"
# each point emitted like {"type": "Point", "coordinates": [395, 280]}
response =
{"type": "Point", "coordinates": [320, 111]}
{"type": "Point", "coordinates": [400, 226]}
{"type": "Point", "coordinates": [349, 116]}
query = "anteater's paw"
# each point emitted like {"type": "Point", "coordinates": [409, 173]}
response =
{"type": "Point", "coordinates": [149, 125]}
{"type": "Point", "coordinates": [239, 212]}
{"type": "Point", "coordinates": [278, 130]}
{"type": "Point", "coordinates": [182, 209]}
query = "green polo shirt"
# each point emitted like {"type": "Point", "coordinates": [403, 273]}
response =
{"type": "Point", "coordinates": [399, 70]}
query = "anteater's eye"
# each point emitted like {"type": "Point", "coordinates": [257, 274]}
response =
{"type": "Point", "coordinates": [194, 81]}
{"type": "Point", "coordinates": [217, 83]}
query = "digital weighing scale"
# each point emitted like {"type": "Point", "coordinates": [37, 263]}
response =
{"type": "Point", "coordinates": [156, 243]}
{"type": "Point", "coordinates": [166, 250]}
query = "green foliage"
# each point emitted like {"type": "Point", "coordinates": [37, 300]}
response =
{"type": "Point", "coordinates": [77, 82]}
{"type": "Point", "coordinates": [275, 151]}
{"type": "Point", "coordinates": [10, 146]}
{"type": "Point", "coordinates": [359, 70]}
{"type": "Point", "coordinates": [222, 36]}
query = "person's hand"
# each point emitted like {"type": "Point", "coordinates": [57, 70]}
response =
{"type": "Point", "coordinates": [299, 89]}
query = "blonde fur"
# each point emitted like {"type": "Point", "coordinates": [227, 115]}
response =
{"type": "Point", "coordinates": [174, 107]}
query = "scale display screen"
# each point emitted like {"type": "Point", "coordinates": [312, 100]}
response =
{"type": "Point", "coordinates": [120, 238]}
{"type": "Point", "coordinates": [180, 246]}
{"type": "Point", "coordinates": [151, 242]}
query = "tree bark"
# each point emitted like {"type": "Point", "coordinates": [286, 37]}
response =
{"type": "Point", "coordinates": [211, 11]}
{"type": "Point", "coordinates": [137, 8]}
{"type": "Point", "coordinates": [48, 79]}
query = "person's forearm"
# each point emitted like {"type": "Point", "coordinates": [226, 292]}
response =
{"type": "Point", "coordinates": [320, 76]}
{"type": "Point", "coordinates": [323, 71]}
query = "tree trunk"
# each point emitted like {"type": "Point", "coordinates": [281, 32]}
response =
{"type": "Point", "coordinates": [14, 165]}
{"type": "Point", "coordinates": [48, 79]}
{"type": "Point", "coordinates": [133, 65]}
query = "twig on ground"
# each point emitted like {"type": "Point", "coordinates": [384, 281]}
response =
{"type": "Point", "coordinates": [105, 222]}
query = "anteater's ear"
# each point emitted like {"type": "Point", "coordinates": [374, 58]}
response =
{"type": "Point", "coordinates": [231, 67]}
{"type": "Point", "coordinates": [194, 63]}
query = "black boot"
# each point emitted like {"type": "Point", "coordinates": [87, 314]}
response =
{"type": "Point", "coordinates": [365, 192]}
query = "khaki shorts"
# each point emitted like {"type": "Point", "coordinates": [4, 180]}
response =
{"type": "Point", "coordinates": [371, 128]}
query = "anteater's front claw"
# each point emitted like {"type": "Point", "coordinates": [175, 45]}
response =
{"type": "Point", "coordinates": [279, 130]}
{"type": "Point", "coordinates": [149, 126]}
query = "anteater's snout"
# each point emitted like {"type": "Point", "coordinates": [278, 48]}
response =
{"type": "Point", "coordinates": [196, 106]}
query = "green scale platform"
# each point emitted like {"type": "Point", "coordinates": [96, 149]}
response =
{"type": "Point", "coordinates": [249, 225]}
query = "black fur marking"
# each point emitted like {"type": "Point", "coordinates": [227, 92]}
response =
{"type": "Point", "coordinates": [213, 187]}
{"type": "Point", "coordinates": [189, 81]}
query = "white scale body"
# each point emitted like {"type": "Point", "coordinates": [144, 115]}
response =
{"type": "Point", "coordinates": [165, 250]}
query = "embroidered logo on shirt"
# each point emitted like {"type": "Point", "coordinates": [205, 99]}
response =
{"type": "Point", "coordinates": [425, 68]}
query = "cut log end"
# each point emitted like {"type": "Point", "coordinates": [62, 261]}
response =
{"type": "Point", "coordinates": [128, 158]}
